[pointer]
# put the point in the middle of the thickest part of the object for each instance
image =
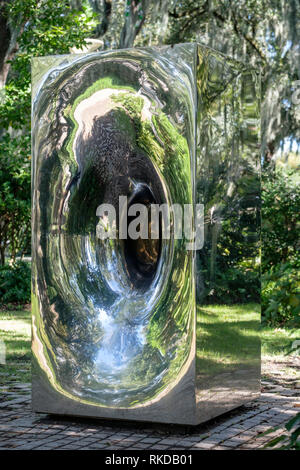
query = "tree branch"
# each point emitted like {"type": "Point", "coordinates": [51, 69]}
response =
{"type": "Point", "coordinates": [9, 34]}
{"type": "Point", "coordinates": [250, 40]}
{"type": "Point", "coordinates": [103, 8]}
{"type": "Point", "coordinates": [134, 21]}
{"type": "Point", "coordinates": [194, 15]}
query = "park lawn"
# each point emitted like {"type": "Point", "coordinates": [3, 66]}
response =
{"type": "Point", "coordinates": [274, 341]}
{"type": "Point", "coordinates": [222, 327]}
{"type": "Point", "coordinates": [15, 331]}
{"type": "Point", "coordinates": [229, 337]}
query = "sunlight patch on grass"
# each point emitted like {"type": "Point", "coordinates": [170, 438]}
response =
{"type": "Point", "coordinates": [227, 336]}
{"type": "Point", "coordinates": [15, 331]}
{"type": "Point", "coordinates": [277, 341]}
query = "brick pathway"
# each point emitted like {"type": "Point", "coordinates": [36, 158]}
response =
{"type": "Point", "coordinates": [243, 428]}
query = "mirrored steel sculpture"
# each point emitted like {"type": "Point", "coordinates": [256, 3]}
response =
{"type": "Point", "coordinates": [131, 328]}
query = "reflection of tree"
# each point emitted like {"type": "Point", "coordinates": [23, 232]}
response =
{"type": "Point", "coordinates": [127, 144]}
{"type": "Point", "coordinates": [227, 183]}
{"type": "Point", "coordinates": [169, 329]}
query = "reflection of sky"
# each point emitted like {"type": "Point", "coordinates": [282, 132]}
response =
{"type": "Point", "coordinates": [286, 48]}
{"type": "Point", "coordinates": [287, 145]}
{"type": "Point", "coordinates": [120, 343]}
{"type": "Point", "coordinates": [271, 41]}
{"type": "Point", "coordinates": [115, 347]}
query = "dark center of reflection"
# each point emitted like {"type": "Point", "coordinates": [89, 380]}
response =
{"type": "Point", "coordinates": [142, 255]}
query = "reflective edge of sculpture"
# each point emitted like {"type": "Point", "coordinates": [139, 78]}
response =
{"type": "Point", "coordinates": [119, 329]}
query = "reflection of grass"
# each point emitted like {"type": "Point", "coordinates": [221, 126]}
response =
{"type": "Point", "coordinates": [227, 336]}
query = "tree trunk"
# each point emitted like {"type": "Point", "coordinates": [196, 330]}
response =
{"type": "Point", "coordinates": [9, 34]}
{"type": "Point", "coordinates": [103, 9]}
{"type": "Point", "coordinates": [3, 240]}
{"type": "Point", "coordinates": [135, 15]}
{"type": "Point", "coordinates": [2, 256]}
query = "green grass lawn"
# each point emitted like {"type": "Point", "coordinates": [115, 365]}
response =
{"type": "Point", "coordinates": [15, 331]}
{"type": "Point", "coordinates": [229, 336]}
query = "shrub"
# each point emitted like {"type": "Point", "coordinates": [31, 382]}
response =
{"type": "Point", "coordinates": [280, 248]}
{"type": "Point", "coordinates": [15, 283]}
{"type": "Point", "coordinates": [280, 218]}
{"type": "Point", "coordinates": [281, 296]}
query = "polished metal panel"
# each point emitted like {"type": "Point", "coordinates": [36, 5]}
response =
{"type": "Point", "coordinates": [228, 265]}
{"type": "Point", "coordinates": [114, 321]}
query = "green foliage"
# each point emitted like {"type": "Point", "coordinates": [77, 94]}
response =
{"type": "Point", "coordinates": [48, 27]}
{"type": "Point", "coordinates": [230, 287]}
{"type": "Point", "coordinates": [15, 283]}
{"type": "Point", "coordinates": [291, 440]}
{"type": "Point", "coordinates": [14, 195]}
{"type": "Point", "coordinates": [280, 249]}
{"type": "Point", "coordinates": [229, 260]}
{"type": "Point", "coordinates": [293, 426]}
{"type": "Point", "coordinates": [281, 296]}
{"type": "Point", "coordinates": [280, 218]}
{"type": "Point", "coordinates": [133, 106]}
{"type": "Point", "coordinates": [41, 28]}
{"type": "Point", "coordinates": [259, 32]}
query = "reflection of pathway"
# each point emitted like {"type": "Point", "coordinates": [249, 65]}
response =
{"type": "Point", "coordinates": [97, 105]}
{"type": "Point", "coordinates": [283, 370]}
{"type": "Point", "coordinates": [243, 428]}
{"type": "Point", "coordinates": [121, 356]}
